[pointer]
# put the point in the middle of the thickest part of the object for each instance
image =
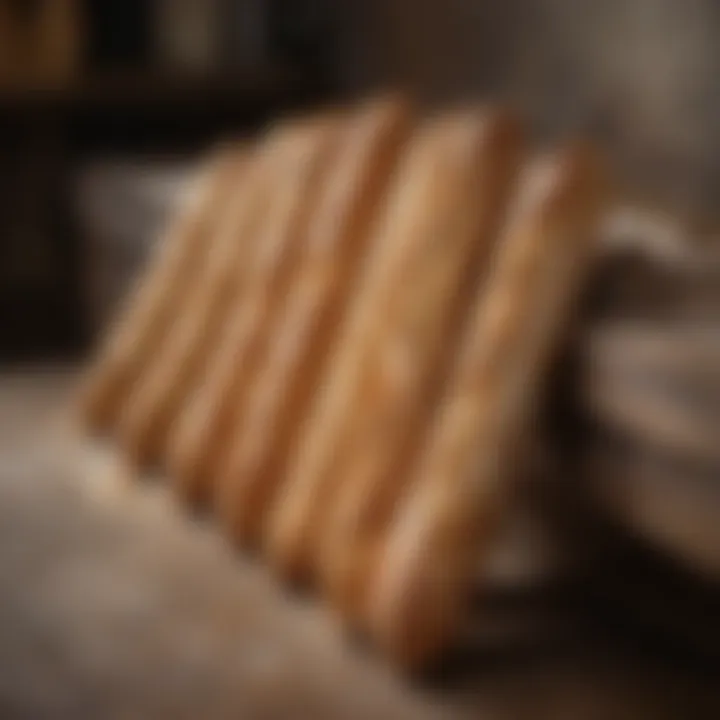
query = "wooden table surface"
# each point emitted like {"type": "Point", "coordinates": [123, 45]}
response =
{"type": "Point", "coordinates": [115, 604]}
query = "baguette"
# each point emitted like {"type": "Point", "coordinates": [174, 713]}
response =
{"type": "Point", "coordinates": [153, 406]}
{"type": "Point", "coordinates": [210, 422]}
{"type": "Point", "coordinates": [313, 309]}
{"type": "Point", "coordinates": [171, 276]}
{"type": "Point", "coordinates": [421, 589]}
{"type": "Point", "coordinates": [424, 315]}
{"type": "Point", "coordinates": [418, 224]}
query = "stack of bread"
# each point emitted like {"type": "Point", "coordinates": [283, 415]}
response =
{"type": "Point", "coordinates": [342, 345]}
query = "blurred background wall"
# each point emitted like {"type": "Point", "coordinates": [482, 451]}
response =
{"type": "Point", "coordinates": [643, 75]}
{"type": "Point", "coordinates": [97, 93]}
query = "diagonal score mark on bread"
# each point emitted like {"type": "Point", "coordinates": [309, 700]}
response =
{"type": "Point", "coordinates": [420, 590]}
{"type": "Point", "coordinates": [161, 291]}
{"type": "Point", "coordinates": [312, 309]}
{"type": "Point", "coordinates": [419, 230]}
{"type": "Point", "coordinates": [404, 367]}
{"type": "Point", "coordinates": [211, 421]}
{"type": "Point", "coordinates": [151, 408]}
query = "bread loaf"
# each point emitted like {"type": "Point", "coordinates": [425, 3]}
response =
{"type": "Point", "coordinates": [162, 289]}
{"type": "Point", "coordinates": [420, 590]}
{"type": "Point", "coordinates": [313, 309]}
{"type": "Point", "coordinates": [210, 423]}
{"type": "Point", "coordinates": [421, 227]}
{"type": "Point", "coordinates": [178, 367]}
{"type": "Point", "coordinates": [406, 364]}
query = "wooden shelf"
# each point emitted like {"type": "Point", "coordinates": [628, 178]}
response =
{"type": "Point", "coordinates": [151, 89]}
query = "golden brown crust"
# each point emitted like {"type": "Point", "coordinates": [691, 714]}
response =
{"type": "Point", "coordinates": [230, 502]}
{"type": "Point", "coordinates": [312, 309]}
{"type": "Point", "coordinates": [420, 591]}
{"type": "Point", "coordinates": [154, 405]}
{"type": "Point", "coordinates": [171, 276]}
{"type": "Point", "coordinates": [213, 420]}
{"type": "Point", "coordinates": [424, 193]}
{"type": "Point", "coordinates": [422, 320]}
{"type": "Point", "coordinates": [201, 439]}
